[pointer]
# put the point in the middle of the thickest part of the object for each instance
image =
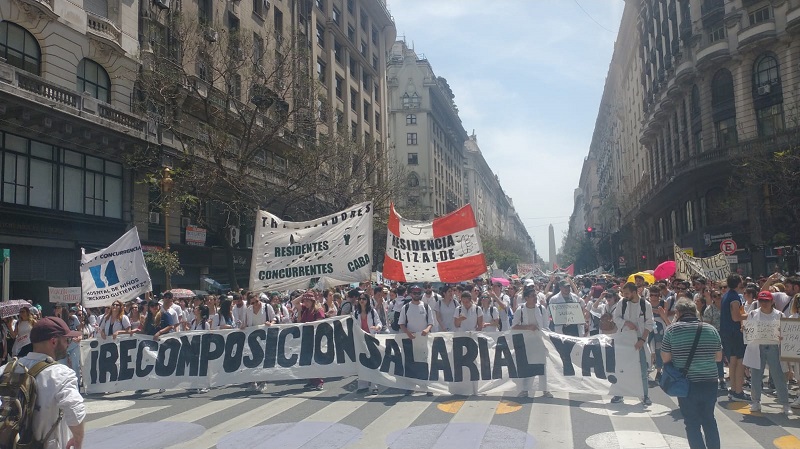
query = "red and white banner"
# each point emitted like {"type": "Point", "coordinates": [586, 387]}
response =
{"type": "Point", "coordinates": [448, 249]}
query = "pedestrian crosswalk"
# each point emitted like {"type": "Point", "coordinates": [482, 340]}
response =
{"type": "Point", "coordinates": [339, 417]}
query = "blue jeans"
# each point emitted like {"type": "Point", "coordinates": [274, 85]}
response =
{"type": "Point", "coordinates": [770, 356]}
{"type": "Point", "coordinates": [644, 364]}
{"type": "Point", "coordinates": [656, 338]}
{"type": "Point", "coordinates": [698, 412]}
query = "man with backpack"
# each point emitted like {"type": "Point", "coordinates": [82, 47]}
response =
{"type": "Point", "coordinates": [416, 320]}
{"type": "Point", "coordinates": [53, 406]}
{"type": "Point", "coordinates": [637, 315]}
{"type": "Point", "coordinates": [349, 304]}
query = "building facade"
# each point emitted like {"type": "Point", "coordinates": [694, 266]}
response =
{"type": "Point", "coordinates": [70, 117]}
{"type": "Point", "coordinates": [428, 137]}
{"type": "Point", "coordinates": [713, 99]}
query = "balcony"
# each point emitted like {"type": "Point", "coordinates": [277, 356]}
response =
{"type": "Point", "coordinates": [756, 34]}
{"type": "Point", "coordinates": [35, 8]}
{"type": "Point", "coordinates": [684, 72]}
{"type": "Point", "coordinates": [712, 11]}
{"type": "Point", "coordinates": [793, 20]}
{"type": "Point", "coordinates": [40, 91]}
{"type": "Point", "coordinates": [713, 52]}
{"type": "Point", "coordinates": [105, 30]}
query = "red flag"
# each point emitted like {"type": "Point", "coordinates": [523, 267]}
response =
{"type": "Point", "coordinates": [571, 269]}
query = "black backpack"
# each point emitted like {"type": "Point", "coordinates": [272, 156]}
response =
{"type": "Point", "coordinates": [396, 321]}
{"type": "Point", "coordinates": [625, 306]}
{"type": "Point", "coordinates": [405, 308]}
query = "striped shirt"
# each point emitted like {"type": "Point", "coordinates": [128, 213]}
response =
{"type": "Point", "coordinates": [678, 340]}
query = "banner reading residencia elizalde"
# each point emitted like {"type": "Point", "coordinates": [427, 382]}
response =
{"type": "Point", "coordinates": [116, 273]}
{"type": "Point", "coordinates": [332, 250]}
{"type": "Point", "coordinates": [454, 363]}
{"type": "Point", "coordinates": [447, 249]}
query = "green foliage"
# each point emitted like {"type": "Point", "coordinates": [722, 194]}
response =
{"type": "Point", "coordinates": [506, 253]}
{"type": "Point", "coordinates": [580, 251]}
{"type": "Point", "coordinates": [162, 260]}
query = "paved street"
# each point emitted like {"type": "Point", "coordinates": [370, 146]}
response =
{"type": "Point", "coordinates": [287, 417]}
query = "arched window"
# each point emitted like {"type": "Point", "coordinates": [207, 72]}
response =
{"type": "Point", "coordinates": [697, 121]}
{"type": "Point", "coordinates": [723, 108]}
{"type": "Point", "coordinates": [413, 180]}
{"type": "Point", "coordinates": [93, 79]}
{"type": "Point", "coordinates": [19, 48]}
{"type": "Point", "coordinates": [767, 95]}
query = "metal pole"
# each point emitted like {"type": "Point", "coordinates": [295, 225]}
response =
{"type": "Point", "coordinates": [5, 257]}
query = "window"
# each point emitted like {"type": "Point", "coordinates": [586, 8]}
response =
{"type": "Point", "coordinates": [321, 67]}
{"type": "Point", "coordinates": [19, 48]}
{"type": "Point", "coordinates": [377, 93]}
{"type": "Point", "coordinates": [411, 119]}
{"type": "Point", "coordinates": [413, 179]}
{"type": "Point", "coordinates": [353, 100]}
{"type": "Point", "coordinates": [278, 26]}
{"type": "Point", "coordinates": [320, 35]}
{"type": "Point", "coordinates": [339, 83]}
{"type": "Point", "coordinates": [723, 108]}
{"type": "Point", "coordinates": [367, 111]}
{"type": "Point", "coordinates": [258, 50]}
{"type": "Point", "coordinates": [374, 62]}
{"type": "Point", "coordinates": [363, 49]}
{"type": "Point", "coordinates": [413, 159]}
{"type": "Point", "coordinates": [770, 120]}
{"type": "Point", "coordinates": [40, 175]}
{"type": "Point", "coordinates": [697, 122]}
{"type": "Point", "coordinates": [378, 120]}
{"type": "Point", "coordinates": [363, 20]}
{"type": "Point", "coordinates": [351, 33]}
{"type": "Point", "coordinates": [759, 15]}
{"type": "Point", "coordinates": [205, 12]}
{"type": "Point", "coordinates": [375, 36]}
{"type": "Point", "coordinates": [351, 6]}
{"type": "Point", "coordinates": [411, 138]}
{"type": "Point", "coordinates": [258, 8]}
{"type": "Point", "coordinates": [766, 71]}
{"type": "Point", "coordinates": [321, 4]}
{"type": "Point", "coordinates": [322, 109]}
{"type": "Point", "coordinates": [337, 16]}
{"type": "Point", "coordinates": [353, 68]}
{"type": "Point", "coordinates": [716, 34]}
{"type": "Point", "coordinates": [689, 216]}
{"type": "Point", "coordinates": [366, 81]}
{"type": "Point", "coordinates": [93, 79]}
{"type": "Point", "coordinates": [410, 101]}
{"type": "Point", "coordinates": [354, 131]}
{"type": "Point", "coordinates": [337, 51]}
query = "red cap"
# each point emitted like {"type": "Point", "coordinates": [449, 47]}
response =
{"type": "Point", "coordinates": [308, 296]}
{"type": "Point", "coordinates": [51, 327]}
{"type": "Point", "coordinates": [765, 296]}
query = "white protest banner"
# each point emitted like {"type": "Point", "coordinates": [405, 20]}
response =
{"type": "Point", "coordinates": [567, 313]}
{"type": "Point", "coordinates": [64, 295]}
{"type": "Point", "coordinates": [790, 343]}
{"type": "Point", "coordinates": [761, 332]}
{"type": "Point", "coordinates": [331, 250]}
{"type": "Point", "coordinates": [469, 362]}
{"type": "Point", "coordinates": [524, 269]}
{"type": "Point", "coordinates": [116, 273]}
{"type": "Point", "coordinates": [715, 268]}
{"type": "Point", "coordinates": [447, 249]}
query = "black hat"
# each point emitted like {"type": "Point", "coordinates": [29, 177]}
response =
{"type": "Point", "coordinates": [354, 293]}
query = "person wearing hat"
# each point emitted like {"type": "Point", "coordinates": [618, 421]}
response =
{"type": "Point", "coordinates": [56, 386]}
{"type": "Point", "coordinates": [757, 356]}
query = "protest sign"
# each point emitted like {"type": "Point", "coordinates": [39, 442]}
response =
{"type": "Point", "coordinates": [64, 295]}
{"type": "Point", "coordinates": [474, 362]}
{"type": "Point", "coordinates": [524, 269]}
{"type": "Point", "coordinates": [332, 250]}
{"type": "Point", "coordinates": [761, 332]}
{"type": "Point", "coordinates": [790, 344]}
{"type": "Point", "coordinates": [116, 273]}
{"type": "Point", "coordinates": [447, 249]}
{"type": "Point", "coordinates": [715, 268]}
{"type": "Point", "coordinates": [567, 313]}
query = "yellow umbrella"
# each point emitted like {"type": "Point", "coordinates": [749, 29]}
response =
{"type": "Point", "coordinates": [649, 278]}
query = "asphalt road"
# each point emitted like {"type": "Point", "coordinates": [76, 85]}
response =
{"type": "Point", "coordinates": [288, 417]}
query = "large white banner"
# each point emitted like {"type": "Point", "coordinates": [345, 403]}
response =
{"type": "Point", "coordinates": [455, 363]}
{"type": "Point", "coordinates": [715, 268]}
{"type": "Point", "coordinates": [331, 250]}
{"type": "Point", "coordinates": [116, 273]}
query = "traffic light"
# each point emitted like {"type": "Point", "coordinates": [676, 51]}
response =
{"type": "Point", "coordinates": [590, 232]}
{"type": "Point", "coordinates": [644, 256]}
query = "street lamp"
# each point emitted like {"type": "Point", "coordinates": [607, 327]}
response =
{"type": "Point", "coordinates": [166, 188]}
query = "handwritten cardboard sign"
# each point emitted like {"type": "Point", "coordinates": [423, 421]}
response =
{"type": "Point", "coordinates": [790, 345]}
{"type": "Point", "coordinates": [567, 313]}
{"type": "Point", "coordinates": [761, 332]}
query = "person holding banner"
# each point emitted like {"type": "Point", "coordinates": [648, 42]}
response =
{"type": "Point", "coordinates": [310, 311]}
{"type": "Point", "coordinates": [757, 356]}
{"type": "Point", "coordinates": [636, 314]}
{"type": "Point", "coordinates": [22, 332]}
{"type": "Point", "coordinates": [224, 318]}
{"type": "Point", "coordinates": [416, 318]}
{"type": "Point", "coordinates": [492, 319]}
{"type": "Point", "coordinates": [468, 316]}
{"type": "Point", "coordinates": [531, 316]}
{"type": "Point", "coordinates": [564, 296]}
{"type": "Point", "coordinates": [114, 321]}
{"type": "Point", "coordinates": [369, 321]}
{"type": "Point", "coordinates": [446, 309]}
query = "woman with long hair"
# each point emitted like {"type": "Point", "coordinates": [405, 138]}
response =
{"type": "Point", "coordinates": [282, 314]}
{"type": "Point", "coordinates": [311, 311]}
{"type": "Point", "coordinates": [224, 317]}
{"type": "Point", "coordinates": [200, 319]}
{"type": "Point", "coordinates": [114, 321]}
{"type": "Point", "coordinates": [22, 332]}
{"type": "Point", "coordinates": [329, 303]}
{"type": "Point", "coordinates": [370, 322]}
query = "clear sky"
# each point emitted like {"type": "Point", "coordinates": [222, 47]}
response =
{"type": "Point", "coordinates": [528, 76]}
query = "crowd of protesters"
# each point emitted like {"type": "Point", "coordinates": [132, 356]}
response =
{"type": "Point", "coordinates": [609, 305]}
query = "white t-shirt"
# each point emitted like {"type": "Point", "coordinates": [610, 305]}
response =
{"type": "Point", "coordinates": [238, 314]}
{"type": "Point", "coordinates": [558, 299]}
{"type": "Point", "coordinates": [447, 312]}
{"type": "Point", "coordinates": [539, 315]}
{"type": "Point", "coordinates": [780, 301]}
{"type": "Point", "coordinates": [197, 325]}
{"type": "Point", "coordinates": [490, 314]}
{"type": "Point", "coordinates": [174, 316]}
{"type": "Point", "coordinates": [251, 318]}
{"type": "Point", "coordinates": [752, 352]}
{"type": "Point", "coordinates": [431, 300]}
{"type": "Point", "coordinates": [472, 313]}
{"type": "Point", "coordinates": [121, 324]}
{"type": "Point", "coordinates": [419, 316]}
